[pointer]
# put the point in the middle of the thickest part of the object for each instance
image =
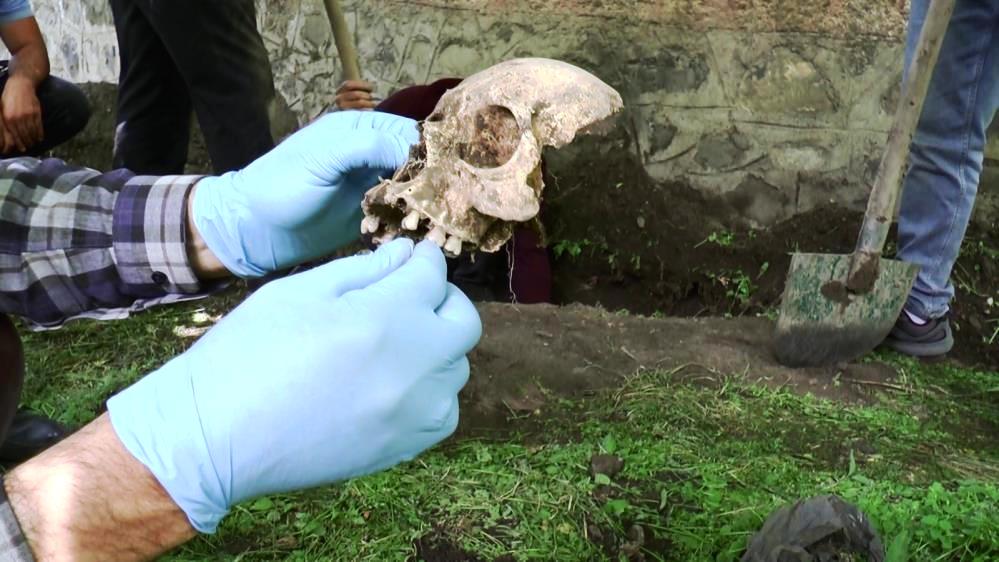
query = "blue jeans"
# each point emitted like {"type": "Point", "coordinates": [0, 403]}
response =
{"type": "Point", "coordinates": [948, 148]}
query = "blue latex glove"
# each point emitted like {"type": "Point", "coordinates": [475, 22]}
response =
{"type": "Point", "coordinates": [341, 371]}
{"type": "Point", "coordinates": [302, 200]}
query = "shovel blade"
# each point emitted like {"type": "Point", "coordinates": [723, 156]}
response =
{"type": "Point", "coordinates": [822, 323]}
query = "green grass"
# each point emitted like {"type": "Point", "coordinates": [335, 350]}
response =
{"type": "Point", "coordinates": [705, 463]}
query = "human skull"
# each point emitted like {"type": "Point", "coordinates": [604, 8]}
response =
{"type": "Point", "coordinates": [476, 172]}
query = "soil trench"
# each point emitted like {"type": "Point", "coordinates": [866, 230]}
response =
{"type": "Point", "coordinates": [662, 247]}
{"type": "Point", "coordinates": [530, 354]}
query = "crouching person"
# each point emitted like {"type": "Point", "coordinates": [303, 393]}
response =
{"type": "Point", "coordinates": [37, 111]}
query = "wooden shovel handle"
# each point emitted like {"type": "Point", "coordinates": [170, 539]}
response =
{"type": "Point", "coordinates": [344, 40]}
{"type": "Point", "coordinates": [884, 195]}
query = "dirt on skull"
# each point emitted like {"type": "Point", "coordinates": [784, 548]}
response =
{"type": "Point", "coordinates": [495, 139]}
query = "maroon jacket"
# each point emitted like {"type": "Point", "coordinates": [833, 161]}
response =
{"type": "Point", "coordinates": [417, 102]}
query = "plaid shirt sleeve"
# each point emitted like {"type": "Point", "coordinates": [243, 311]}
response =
{"type": "Point", "coordinates": [76, 243]}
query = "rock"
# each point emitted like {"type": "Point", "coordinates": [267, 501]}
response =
{"type": "Point", "coordinates": [608, 465]}
{"type": "Point", "coordinates": [720, 151]}
{"type": "Point", "coordinates": [632, 550]}
{"type": "Point", "coordinates": [784, 82]}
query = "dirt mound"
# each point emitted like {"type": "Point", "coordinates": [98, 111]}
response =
{"type": "Point", "coordinates": [532, 354]}
{"type": "Point", "coordinates": [667, 251]}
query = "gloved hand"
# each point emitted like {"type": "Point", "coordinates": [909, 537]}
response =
{"type": "Point", "coordinates": [302, 200]}
{"type": "Point", "coordinates": [341, 371]}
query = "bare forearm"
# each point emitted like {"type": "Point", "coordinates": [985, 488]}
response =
{"type": "Point", "coordinates": [88, 498]}
{"type": "Point", "coordinates": [30, 62]}
{"type": "Point", "coordinates": [203, 262]}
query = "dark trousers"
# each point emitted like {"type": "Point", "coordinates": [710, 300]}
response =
{"type": "Point", "coordinates": [11, 373]}
{"type": "Point", "coordinates": [184, 55]}
{"type": "Point", "coordinates": [65, 112]}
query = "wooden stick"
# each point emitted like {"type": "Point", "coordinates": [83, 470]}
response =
{"type": "Point", "coordinates": [344, 40]}
{"type": "Point", "coordinates": [888, 184]}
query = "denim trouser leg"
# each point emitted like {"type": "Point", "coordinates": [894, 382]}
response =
{"type": "Point", "coordinates": [948, 148]}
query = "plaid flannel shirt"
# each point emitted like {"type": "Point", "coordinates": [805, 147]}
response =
{"type": "Point", "coordinates": [76, 243]}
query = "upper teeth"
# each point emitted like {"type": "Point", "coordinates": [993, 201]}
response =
{"type": "Point", "coordinates": [412, 220]}
{"type": "Point", "coordinates": [369, 225]}
{"type": "Point", "coordinates": [453, 245]}
{"type": "Point", "coordinates": [437, 235]}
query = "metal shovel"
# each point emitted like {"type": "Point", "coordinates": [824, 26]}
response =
{"type": "Point", "coordinates": [837, 308]}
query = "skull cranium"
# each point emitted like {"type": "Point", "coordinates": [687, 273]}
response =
{"type": "Point", "coordinates": [477, 170]}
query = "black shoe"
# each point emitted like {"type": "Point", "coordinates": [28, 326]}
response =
{"type": "Point", "coordinates": [933, 339]}
{"type": "Point", "coordinates": [29, 434]}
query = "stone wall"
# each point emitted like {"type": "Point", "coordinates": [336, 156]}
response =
{"type": "Point", "coordinates": [770, 110]}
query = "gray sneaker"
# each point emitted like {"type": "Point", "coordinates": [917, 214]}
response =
{"type": "Point", "coordinates": [933, 339]}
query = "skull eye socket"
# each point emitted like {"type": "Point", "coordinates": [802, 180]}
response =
{"type": "Point", "coordinates": [495, 139]}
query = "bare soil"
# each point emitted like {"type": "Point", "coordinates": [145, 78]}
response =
{"type": "Point", "coordinates": [532, 354]}
{"type": "Point", "coordinates": [437, 547]}
{"type": "Point", "coordinates": [657, 256]}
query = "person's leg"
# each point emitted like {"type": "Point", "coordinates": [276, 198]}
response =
{"type": "Point", "coordinates": [65, 112]}
{"type": "Point", "coordinates": [23, 434]}
{"type": "Point", "coordinates": [946, 161]}
{"type": "Point", "coordinates": [11, 373]}
{"type": "Point", "coordinates": [154, 109]}
{"type": "Point", "coordinates": [477, 274]}
{"type": "Point", "coordinates": [222, 59]}
{"type": "Point", "coordinates": [530, 268]}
